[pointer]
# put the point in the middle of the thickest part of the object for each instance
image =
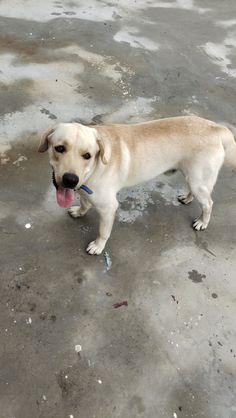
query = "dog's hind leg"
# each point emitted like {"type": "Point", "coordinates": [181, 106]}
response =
{"type": "Point", "coordinates": [202, 178]}
{"type": "Point", "coordinates": [203, 196]}
{"type": "Point", "coordinates": [186, 199]}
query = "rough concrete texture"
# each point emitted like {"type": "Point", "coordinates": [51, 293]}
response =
{"type": "Point", "coordinates": [65, 350]}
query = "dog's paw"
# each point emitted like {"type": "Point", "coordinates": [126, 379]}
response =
{"type": "Point", "coordinates": [185, 200]}
{"type": "Point", "coordinates": [75, 212]}
{"type": "Point", "coordinates": [199, 225]}
{"type": "Point", "coordinates": [96, 247]}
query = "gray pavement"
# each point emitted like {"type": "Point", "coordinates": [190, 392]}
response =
{"type": "Point", "coordinates": [65, 350]}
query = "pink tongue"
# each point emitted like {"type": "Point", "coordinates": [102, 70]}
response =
{"type": "Point", "coordinates": [65, 197]}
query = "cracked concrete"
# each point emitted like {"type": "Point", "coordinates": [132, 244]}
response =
{"type": "Point", "coordinates": [170, 349]}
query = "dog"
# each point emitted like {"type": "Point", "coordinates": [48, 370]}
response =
{"type": "Point", "coordinates": [110, 157]}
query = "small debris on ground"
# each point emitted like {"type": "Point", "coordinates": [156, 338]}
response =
{"type": "Point", "coordinates": [19, 160]}
{"type": "Point", "coordinates": [108, 261]}
{"type": "Point", "coordinates": [108, 294]}
{"type": "Point", "coordinates": [78, 348]}
{"type": "Point", "coordinates": [119, 304]}
{"type": "Point", "coordinates": [27, 226]}
{"type": "Point", "coordinates": [174, 299]}
{"type": "Point", "coordinates": [100, 382]}
{"type": "Point", "coordinates": [29, 321]}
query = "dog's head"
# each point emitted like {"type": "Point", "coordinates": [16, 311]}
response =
{"type": "Point", "coordinates": [74, 151]}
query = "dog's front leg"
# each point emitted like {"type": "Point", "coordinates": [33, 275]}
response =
{"type": "Point", "coordinates": [107, 215]}
{"type": "Point", "coordinates": [79, 211]}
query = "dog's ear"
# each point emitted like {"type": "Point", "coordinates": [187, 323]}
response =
{"type": "Point", "coordinates": [43, 146]}
{"type": "Point", "coordinates": [104, 148]}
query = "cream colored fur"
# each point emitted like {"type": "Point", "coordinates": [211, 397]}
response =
{"type": "Point", "coordinates": [125, 155]}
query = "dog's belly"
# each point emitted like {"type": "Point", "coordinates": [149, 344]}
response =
{"type": "Point", "coordinates": [140, 173]}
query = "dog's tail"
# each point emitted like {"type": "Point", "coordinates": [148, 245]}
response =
{"type": "Point", "coordinates": [229, 145]}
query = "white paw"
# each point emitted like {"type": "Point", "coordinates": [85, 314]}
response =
{"type": "Point", "coordinates": [74, 211]}
{"type": "Point", "coordinates": [96, 247]}
{"type": "Point", "coordinates": [199, 225]}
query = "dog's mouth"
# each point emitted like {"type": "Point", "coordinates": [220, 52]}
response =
{"type": "Point", "coordinates": [65, 197]}
{"type": "Point", "coordinates": [54, 180]}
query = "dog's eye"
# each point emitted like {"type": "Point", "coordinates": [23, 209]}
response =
{"type": "Point", "coordinates": [87, 156]}
{"type": "Point", "coordinates": [60, 148]}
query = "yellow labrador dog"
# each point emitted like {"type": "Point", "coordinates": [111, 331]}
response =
{"type": "Point", "coordinates": [98, 161]}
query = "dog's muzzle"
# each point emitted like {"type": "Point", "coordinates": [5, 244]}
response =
{"type": "Point", "coordinates": [83, 187]}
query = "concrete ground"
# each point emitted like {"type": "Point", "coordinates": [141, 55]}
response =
{"type": "Point", "coordinates": [65, 350]}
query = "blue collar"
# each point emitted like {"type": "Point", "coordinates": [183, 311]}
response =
{"type": "Point", "coordinates": [86, 189]}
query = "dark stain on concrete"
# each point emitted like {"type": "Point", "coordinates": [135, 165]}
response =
{"type": "Point", "coordinates": [19, 45]}
{"type": "Point", "coordinates": [97, 120]}
{"type": "Point", "coordinates": [203, 245]}
{"type": "Point", "coordinates": [69, 13]}
{"type": "Point", "coordinates": [136, 403]}
{"type": "Point", "coordinates": [195, 276]}
{"type": "Point", "coordinates": [64, 384]}
{"type": "Point", "coordinates": [48, 113]}
{"type": "Point", "coordinates": [15, 96]}
{"type": "Point", "coordinates": [214, 295]}
{"type": "Point", "coordinates": [71, 4]}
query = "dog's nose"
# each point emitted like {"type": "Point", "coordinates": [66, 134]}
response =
{"type": "Point", "coordinates": [70, 180]}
